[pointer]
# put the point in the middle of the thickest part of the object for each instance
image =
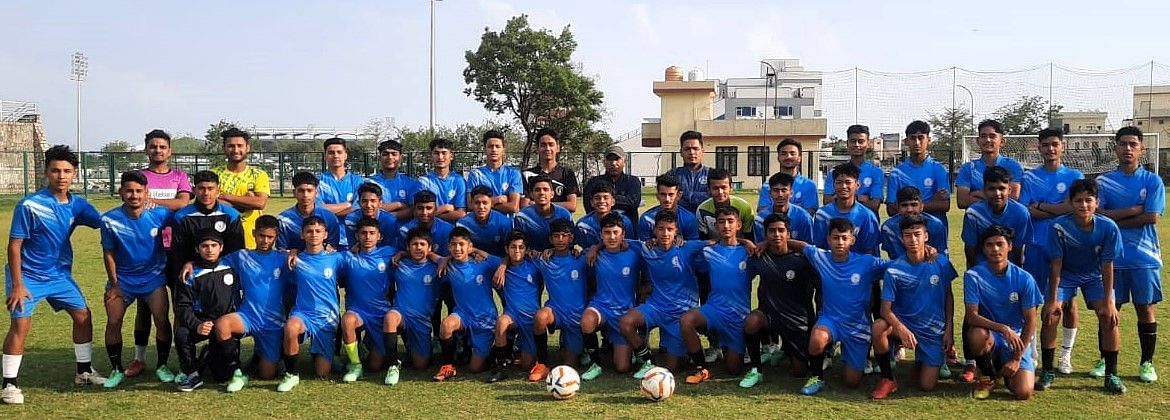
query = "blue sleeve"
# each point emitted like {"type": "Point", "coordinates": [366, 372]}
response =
{"type": "Point", "coordinates": [1102, 193]}
{"type": "Point", "coordinates": [810, 199]}
{"type": "Point", "coordinates": [1024, 234]}
{"type": "Point", "coordinates": [1112, 250]}
{"type": "Point", "coordinates": [757, 230]}
{"type": "Point", "coordinates": [942, 178]}
{"type": "Point", "coordinates": [819, 230]}
{"type": "Point", "coordinates": [1155, 196]}
{"type": "Point", "coordinates": [964, 178]}
{"type": "Point", "coordinates": [878, 183]}
{"type": "Point", "coordinates": [1054, 248]}
{"type": "Point", "coordinates": [869, 235]}
{"type": "Point", "coordinates": [22, 222]}
{"type": "Point", "coordinates": [970, 289]}
{"type": "Point", "coordinates": [460, 200]}
{"type": "Point", "coordinates": [1016, 170]}
{"type": "Point", "coordinates": [810, 252]}
{"type": "Point", "coordinates": [887, 242]}
{"type": "Point", "coordinates": [970, 234]}
{"type": "Point", "coordinates": [804, 226]}
{"type": "Point", "coordinates": [1031, 297]}
{"type": "Point", "coordinates": [765, 198]}
{"type": "Point", "coordinates": [630, 233]}
{"type": "Point", "coordinates": [515, 182]}
{"type": "Point", "coordinates": [86, 215]}
{"type": "Point", "coordinates": [109, 241]}
{"type": "Point", "coordinates": [947, 269]}
{"type": "Point", "coordinates": [829, 187]}
{"type": "Point", "coordinates": [892, 189]}
{"type": "Point", "coordinates": [888, 287]}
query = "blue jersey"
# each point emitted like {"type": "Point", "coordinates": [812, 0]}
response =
{"type": "Point", "coordinates": [399, 188]}
{"type": "Point", "coordinates": [1086, 249]}
{"type": "Point", "coordinates": [332, 190]}
{"type": "Point", "coordinates": [492, 236]}
{"type": "Point", "coordinates": [471, 284]}
{"type": "Point", "coordinates": [693, 186]}
{"type": "Point", "coordinates": [800, 224]}
{"type": "Point", "coordinates": [688, 224]}
{"type": "Point", "coordinates": [616, 275]}
{"type": "Point", "coordinates": [45, 226]}
{"type": "Point", "coordinates": [440, 235]}
{"type": "Point", "coordinates": [1050, 187]}
{"type": "Point", "coordinates": [535, 226]}
{"type": "Point", "coordinates": [264, 280]}
{"type": "Point", "coordinates": [289, 235]}
{"type": "Point", "coordinates": [589, 230]}
{"type": "Point", "coordinates": [869, 185]}
{"type": "Point", "coordinates": [730, 283]}
{"type": "Point", "coordinates": [971, 173]}
{"type": "Point", "coordinates": [804, 194]}
{"type": "Point", "coordinates": [936, 233]}
{"type": "Point", "coordinates": [930, 177]}
{"type": "Point", "coordinates": [316, 278]}
{"type": "Point", "coordinates": [1002, 298]}
{"type": "Point", "coordinates": [136, 243]}
{"type": "Point", "coordinates": [522, 289]}
{"type": "Point", "coordinates": [451, 189]}
{"type": "Point", "coordinates": [979, 217]}
{"type": "Point", "coordinates": [846, 287]}
{"type": "Point", "coordinates": [918, 293]}
{"type": "Point", "coordinates": [415, 288]}
{"type": "Point", "coordinates": [367, 281]}
{"type": "Point", "coordinates": [865, 227]}
{"type": "Point", "coordinates": [672, 275]}
{"type": "Point", "coordinates": [564, 278]}
{"type": "Point", "coordinates": [387, 224]}
{"type": "Point", "coordinates": [1143, 188]}
{"type": "Point", "coordinates": [503, 181]}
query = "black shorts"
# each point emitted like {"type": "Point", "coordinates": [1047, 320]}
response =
{"type": "Point", "coordinates": [793, 338]}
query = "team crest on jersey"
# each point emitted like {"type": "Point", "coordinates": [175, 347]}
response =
{"type": "Point", "coordinates": [276, 272]}
{"type": "Point", "coordinates": [790, 275]}
{"type": "Point", "coordinates": [674, 263]}
{"type": "Point", "coordinates": [228, 279]}
{"type": "Point", "coordinates": [625, 271]}
{"type": "Point", "coordinates": [427, 279]}
{"type": "Point", "coordinates": [401, 194]}
{"type": "Point", "coordinates": [504, 186]}
{"type": "Point", "coordinates": [1013, 297]}
{"type": "Point", "coordinates": [1060, 187]}
{"type": "Point", "coordinates": [529, 278]}
{"type": "Point", "coordinates": [479, 279]}
{"type": "Point", "coordinates": [573, 274]}
{"type": "Point", "coordinates": [855, 279]}
{"type": "Point", "coordinates": [153, 232]}
{"type": "Point", "coordinates": [1097, 250]}
{"type": "Point", "coordinates": [349, 197]}
{"type": "Point", "coordinates": [742, 265]}
{"type": "Point", "coordinates": [703, 179]}
{"type": "Point", "coordinates": [798, 196]}
{"type": "Point", "coordinates": [328, 273]}
{"type": "Point", "coordinates": [220, 226]}
{"type": "Point", "coordinates": [867, 181]}
{"type": "Point", "coordinates": [928, 182]}
{"type": "Point", "coordinates": [934, 280]}
{"type": "Point", "coordinates": [1142, 194]}
{"type": "Point", "coordinates": [450, 194]}
{"type": "Point", "coordinates": [381, 267]}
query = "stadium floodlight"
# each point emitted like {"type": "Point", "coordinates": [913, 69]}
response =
{"type": "Point", "coordinates": [432, 114]}
{"type": "Point", "coordinates": [78, 74]}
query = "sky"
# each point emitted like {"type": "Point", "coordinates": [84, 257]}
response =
{"type": "Point", "coordinates": [183, 65]}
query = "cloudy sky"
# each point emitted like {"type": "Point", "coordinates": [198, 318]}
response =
{"type": "Point", "coordinates": [183, 65]}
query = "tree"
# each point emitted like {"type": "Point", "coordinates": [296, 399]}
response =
{"type": "Point", "coordinates": [214, 140]}
{"type": "Point", "coordinates": [119, 156]}
{"type": "Point", "coordinates": [1028, 115]}
{"type": "Point", "coordinates": [528, 74]}
{"type": "Point", "coordinates": [468, 144]}
{"type": "Point", "coordinates": [188, 144]}
{"type": "Point", "coordinates": [947, 131]}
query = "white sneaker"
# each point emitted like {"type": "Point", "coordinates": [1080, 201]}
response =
{"type": "Point", "coordinates": [89, 378]}
{"type": "Point", "coordinates": [12, 395]}
{"type": "Point", "coordinates": [1064, 366]}
{"type": "Point", "coordinates": [900, 355]}
{"type": "Point", "coordinates": [712, 355]}
{"type": "Point", "coordinates": [747, 359]}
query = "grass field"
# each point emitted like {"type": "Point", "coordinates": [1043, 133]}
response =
{"type": "Point", "coordinates": [46, 378]}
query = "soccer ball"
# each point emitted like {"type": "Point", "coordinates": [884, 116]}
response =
{"type": "Point", "coordinates": [563, 382]}
{"type": "Point", "coordinates": [658, 384]}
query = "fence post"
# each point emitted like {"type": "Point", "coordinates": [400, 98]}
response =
{"type": "Point", "coordinates": [84, 186]}
{"type": "Point", "coordinates": [280, 174]}
{"type": "Point", "coordinates": [24, 172]}
{"type": "Point", "coordinates": [110, 162]}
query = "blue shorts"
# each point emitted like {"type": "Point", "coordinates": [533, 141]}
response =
{"type": "Point", "coordinates": [267, 335]}
{"type": "Point", "coordinates": [372, 323]}
{"type": "Point", "coordinates": [1142, 286]}
{"type": "Point", "coordinates": [524, 337]}
{"type": "Point", "coordinates": [1002, 353]}
{"type": "Point", "coordinates": [611, 321]}
{"type": "Point", "coordinates": [930, 348]}
{"type": "Point", "coordinates": [140, 293]}
{"type": "Point", "coordinates": [728, 327]}
{"type": "Point", "coordinates": [481, 334]}
{"type": "Point", "coordinates": [1036, 263]}
{"type": "Point", "coordinates": [61, 291]}
{"type": "Point", "coordinates": [669, 334]}
{"type": "Point", "coordinates": [1093, 290]}
{"type": "Point", "coordinates": [322, 333]}
{"type": "Point", "coordinates": [854, 342]}
{"type": "Point", "coordinates": [417, 333]}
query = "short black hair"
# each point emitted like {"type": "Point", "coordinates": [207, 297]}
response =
{"type": "Point", "coordinates": [61, 152]}
{"type": "Point", "coordinates": [206, 176]}
{"type": "Point", "coordinates": [459, 232]}
{"type": "Point", "coordinates": [613, 219]}
{"type": "Point", "coordinates": [334, 141]}
{"type": "Point", "coordinates": [781, 179]}
{"type": "Point", "coordinates": [1050, 132]}
{"type": "Point", "coordinates": [666, 216]}
{"type": "Point", "coordinates": [996, 173]}
{"type": "Point", "coordinates": [390, 145]}
{"type": "Point", "coordinates": [367, 222]}
{"type": "Point", "coordinates": [994, 124]}
{"type": "Point", "coordinates": [690, 135]}
{"type": "Point", "coordinates": [1128, 131]}
{"type": "Point", "coordinates": [718, 174]}
{"type": "Point", "coordinates": [667, 180]}
{"type": "Point", "coordinates": [235, 132]}
{"type": "Point", "coordinates": [548, 132]}
{"type": "Point", "coordinates": [157, 134]}
{"type": "Point", "coordinates": [370, 187]}
{"type": "Point", "coordinates": [560, 225]}
{"type": "Point", "coordinates": [846, 169]}
{"type": "Point", "coordinates": [840, 224]}
{"type": "Point", "coordinates": [857, 129]}
{"type": "Point", "coordinates": [917, 126]}
{"type": "Point", "coordinates": [728, 210]}
{"type": "Point", "coordinates": [517, 235]}
{"type": "Point", "coordinates": [492, 134]}
{"type": "Point", "coordinates": [602, 187]}
{"type": "Point", "coordinates": [908, 193]}
{"type": "Point", "coordinates": [440, 143]}
{"type": "Point", "coordinates": [997, 230]}
{"type": "Point", "coordinates": [538, 179]}
{"type": "Point", "coordinates": [789, 141]}
{"type": "Point", "coordinates": [303, 178]}
{"type": "Point", "coordinates": [424, 196]}
{"type": "Point", "coordinates": [1083, 186]}
{"type": "Point", "coordinates": [482, 190]}
{"type": "Point", "coordinates": [133, 176]}
{"type": "Point", "coordinates": [912, 221]}
{"type": "Point", "coordinates": [312, 220]}
{"type": "Point", "coordinates": [418, 232]}
{"type": "Point", "coordinates": [776, 217]}
{"type": "Point", "coordinates": [267, 221]}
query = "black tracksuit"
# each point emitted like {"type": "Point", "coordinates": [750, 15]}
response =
{"type": "Point", "coordinates": [211, 292]}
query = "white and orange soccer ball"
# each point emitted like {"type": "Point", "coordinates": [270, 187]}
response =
{"type": "Point", "coordinates": [563, 382]}
{"type": "Point", "coordinates": [658, 384]}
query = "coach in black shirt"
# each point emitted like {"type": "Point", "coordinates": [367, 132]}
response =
{"type": "Point", "coordinates": [627, 190]}
{"type": "Point", "coordinates": [565, 187]}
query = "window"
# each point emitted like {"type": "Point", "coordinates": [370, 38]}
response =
{"type": "Point", "coordinates": [781, 111]}
{"type": "Point", "coordinates": [727, 157]}
{"type": "Point", "coordinates": [757, 161]}
{"type": "Point", "coordinates": [1066, 129]}
{"type": "Point", "coordinates": [745, 111]}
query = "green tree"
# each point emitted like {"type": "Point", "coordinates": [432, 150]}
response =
{"type": "Point", "coordinates": [188, 144]}
{"type": "Point", "coordinates": [947, 131]}
{"type": "Point", "coordinates": [528, 74]}
{"type": "Point", "coordinates": [214, 142]}
{"type": "Point", "coordinates": [1027, 115]}
{"type": "Point", "coordinates": [468, 143]}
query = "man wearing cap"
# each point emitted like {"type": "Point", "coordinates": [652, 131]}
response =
{"type": "Point", "coordinates": [627, 190]}
{"type": "Point", "coordinates": [397, 188]}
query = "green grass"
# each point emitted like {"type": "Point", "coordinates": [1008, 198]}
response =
{"type": "Point", "coordinates": [46, 377]}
